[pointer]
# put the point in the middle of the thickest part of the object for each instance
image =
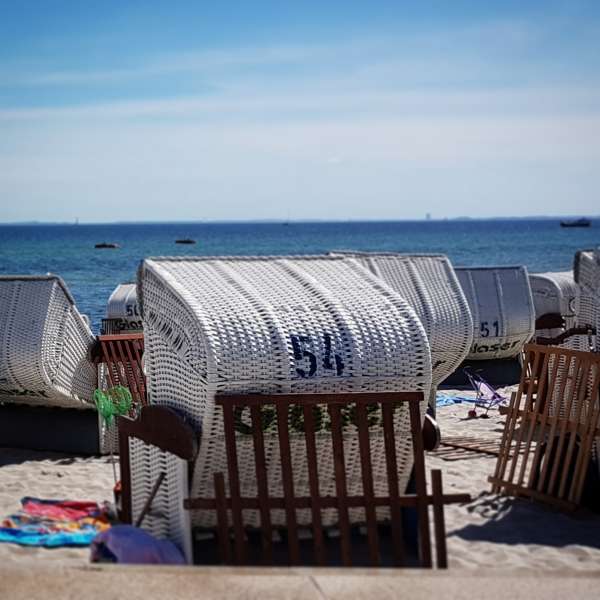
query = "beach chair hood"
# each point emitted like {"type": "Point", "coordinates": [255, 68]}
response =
{"type": "Point", "coordinates": [502, 309]}
{"type": "Point", "coordinates": [44, 344]}
{"type": "Point", "coordinates": [429, 284]}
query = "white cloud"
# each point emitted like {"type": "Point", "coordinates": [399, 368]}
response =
{"type": "Point", "coordinates": [367, 129]}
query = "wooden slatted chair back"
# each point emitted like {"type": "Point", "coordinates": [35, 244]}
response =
{"type": "Point", "coordinates": [121, 356]}
{"type": "Point", "coordinates": [551, 424]}
{"type": "Point", "coordinates": [229, 504]}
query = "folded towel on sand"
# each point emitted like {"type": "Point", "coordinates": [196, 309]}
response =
{"type": "Point", "coordinates": [54, 523]}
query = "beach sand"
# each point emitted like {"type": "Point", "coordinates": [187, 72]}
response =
{"type": "Point", "coordinates": [490, 532]}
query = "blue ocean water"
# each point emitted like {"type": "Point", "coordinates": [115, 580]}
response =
{"type": "Point", "coordinates": [91, 274]}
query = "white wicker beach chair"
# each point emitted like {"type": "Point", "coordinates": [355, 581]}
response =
{"type": "Point", "coordinates": [44, 344]}
{"type": "Point", "coordinates": [502, 308]}
{"type": "Point", "coordinates": [122, 312]}
{"type": "Point", "coordinates": [587, 275]}
{"type": "Point", "coordinates": [555, 294]}
{"type": "Point", "coordinates": [429, 284]}
{"type": "Point", "coordinates": [586, 270]}
{"type": "Point", "coordinates": [274, 325]}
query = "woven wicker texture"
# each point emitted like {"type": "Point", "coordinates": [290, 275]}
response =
{"type": "Point", "coordinates": [44, 344]}
{"type": "Point", "coordinates": [502, 308]}
{"type": "Point", "coordinates": [429, 284]}
{"type": "Point", "coordinates": [586, 269]}
{"type": "Point", "coordinates": [278, 325]}
{"type": "Point", "coordinates": [555, 293]}
{"type": "Point", "coordinates": [166, 518]}
{"type": "Point", "coordinates": [587, 276]}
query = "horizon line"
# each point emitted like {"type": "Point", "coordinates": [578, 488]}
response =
{"type": "Point", "coordinates": [298, 221]}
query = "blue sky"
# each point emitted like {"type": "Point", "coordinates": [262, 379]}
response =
{"type": "Point", "coordinates": [253, 110]}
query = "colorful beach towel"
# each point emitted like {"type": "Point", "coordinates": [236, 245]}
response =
{"type": "Point", "coordinates": [54, 523]}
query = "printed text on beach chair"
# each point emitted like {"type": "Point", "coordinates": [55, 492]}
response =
{"type": "Point", "coordinates": [429, 284]}
{"type": "Point", "coordinates": [122, 311]}
{"type": "Point", "coordinates": [502, 309]}
{"type": "Point", "coordinates": [551, 424]}
{"type": "Point", "coordinates": [44, 344]}
{"type": "Point", "coordinates": [244, 325]}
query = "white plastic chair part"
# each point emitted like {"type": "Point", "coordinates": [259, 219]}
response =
{"type": "Point", "coordinates": [502, 309]}
{"type": "Point", "coordinates": [122, 309]}
{"type": "Point", "coordinates": [429, 284]}
{"type": "Point", "coordinates": [278, 325]}
{"type": "Point", "coordinates": [44, 344]}
{"type": "Point", "coordinates": [556, 293]}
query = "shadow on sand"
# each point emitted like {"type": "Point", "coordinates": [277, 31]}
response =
{"type": "Point", "coordinates": [518, 521]}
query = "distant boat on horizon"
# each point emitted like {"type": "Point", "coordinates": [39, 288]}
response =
{"type": "Point", "coordinates": [106, 245]}
{"type": "Point", "coordinates": [576, 223]}
{"type": "Point", "coordinates": [185, 241]}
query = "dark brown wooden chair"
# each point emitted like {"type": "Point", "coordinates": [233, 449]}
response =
{"type": "Point", "coordinates": [234, 537]}
{"type": "Point", "coordinates": [121, 355]}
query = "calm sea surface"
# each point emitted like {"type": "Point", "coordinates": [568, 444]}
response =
{"type": "Point", "coordinates": [68, 250]}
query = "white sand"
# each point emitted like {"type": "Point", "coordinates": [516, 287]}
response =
{"type": "Point", "coordinates": [492, 532]}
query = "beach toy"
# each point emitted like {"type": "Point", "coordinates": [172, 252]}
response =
{"type": "Point", "coordinates": [114, 402]}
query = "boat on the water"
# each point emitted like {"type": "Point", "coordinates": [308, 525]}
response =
{"type": "Point", "coordinates": [185, 241]}
{"type": "Point", "coordinates": [106, 245]}
{"type": "Point", "coordinates": [576, 223]}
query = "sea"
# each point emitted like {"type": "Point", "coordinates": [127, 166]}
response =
{"type": "Point", "coordinates": [92, 274]}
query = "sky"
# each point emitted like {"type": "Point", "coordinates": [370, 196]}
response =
{"type": "Point", "coordinates": [146, 110]}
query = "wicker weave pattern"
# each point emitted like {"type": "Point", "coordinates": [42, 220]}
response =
{"type": "Point", "coordinates": [250, 325]}
{"type": "Point", "coordinates": [587, 275]}
{"type": "Point", "coordinates": [44, 344]}
{"type": "Point", "coordinates": [429, 284]}
{"type": "Point", "coordinates": [166, 519]}
{"type": "Point", "coordinates": [502, 310]}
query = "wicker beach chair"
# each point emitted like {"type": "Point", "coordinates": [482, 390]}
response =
{"type": "Point", "coordinates": [44, 344]}
{"type": "Point", "coordinates": [122, 312]}
{"type": "Point", "coordinates": [502, 309]}
{"type": "Point", "coordinates": [586, 271]}
{"type": "Point", "coordinates": [292, 325]}
{"type": "Point", "coordinates": [556, 302]}
{"type": "Point", "coordinates": [429, 284]}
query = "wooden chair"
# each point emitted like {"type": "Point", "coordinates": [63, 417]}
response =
{"type": "Point", "coordinates": [121, 357]}
{"type": "Point", "coordinates": [550, 427]}
{"type": "Point", "coordinates": [160, 427]}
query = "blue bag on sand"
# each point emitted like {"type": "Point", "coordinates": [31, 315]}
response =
{"type": "Point", "coordinates": [129, 545]}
